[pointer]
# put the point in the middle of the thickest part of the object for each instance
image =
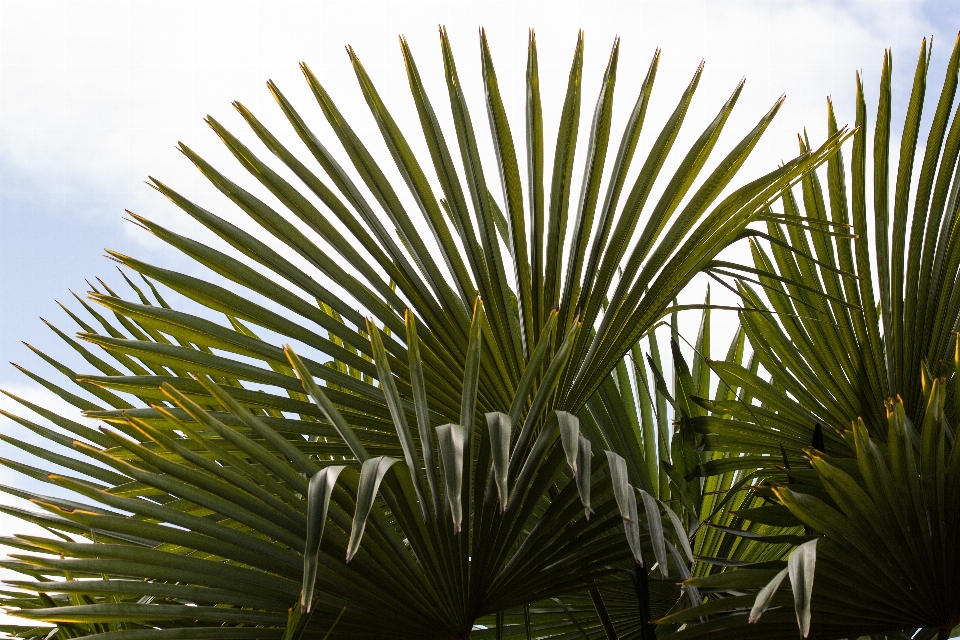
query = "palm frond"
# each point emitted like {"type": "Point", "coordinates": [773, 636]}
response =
{"type": "Point", "coordinates": [841, 325]}
{"type": "Point", "coordinates": [224, 451]}
{"type": "Point", "coordinates": [838, 354]}
{"type": "Point", "coordinates": [886, 541]}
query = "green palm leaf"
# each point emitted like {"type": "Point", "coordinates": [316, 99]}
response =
{"type": "Point", "coordinates": [401, 561]}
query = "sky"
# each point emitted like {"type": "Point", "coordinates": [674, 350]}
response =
{"type": "Point", "coordinates": [94, 96]}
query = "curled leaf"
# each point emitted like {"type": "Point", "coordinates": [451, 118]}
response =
{"type": "Point", "coordinates": [627, 502]}
{"type": "Point", "coordinates": [501, 428]}
{"type": "Point", "coordinates": [682, 535]}
{"type": "Point", "coordinates": [656, 531]}
{"type": "Point", "coordinates": [318, 501]}
{"type": "Point", "coordinates": [584, 475]}
{"type": "Point", "coordinates": [765, 596]}
{"type": "Point", "coordinates": [801, 565]}
{"type": "Point", "coordinates": [371, 474]}
{"type": "Point", "coordinates": [452, 439]}
{"type": "Point", "coordinates": [569, 438]}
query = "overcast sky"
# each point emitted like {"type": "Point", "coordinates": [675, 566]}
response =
{"type": "Point", "coordinates": [94, 96]}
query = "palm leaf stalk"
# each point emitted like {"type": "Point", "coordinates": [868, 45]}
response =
{"type": "Point", "coordinates": [544, 317]}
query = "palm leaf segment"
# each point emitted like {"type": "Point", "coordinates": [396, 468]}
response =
{"type": "Point", "coordinates": [697, 528]}
{"type": "Point", "coordinates": [552, 279]}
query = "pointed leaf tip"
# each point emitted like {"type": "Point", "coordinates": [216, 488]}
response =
{"type": "Point", "coordinates": [818, 442]}
{"type": "Point", "coordinates": [452, 439]}
{"type": "Point", "coordinates": [801, 566]}
{"type": "Point", "coordinates": [501, 429]}
{"type": "Point", "coordinates": [765, 597]}
{"type": "Point", "coordinates": [371, 474]}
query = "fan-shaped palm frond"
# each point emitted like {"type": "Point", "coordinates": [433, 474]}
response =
{"type": "Point", "coordinates": [447, 542]}
{"type": "Point", "coordinates": [886, 546]}
{"type": "Point", "coordinates": [197, 431]}
{"type": "Point", "coordinates": [673, 245]}
{"type": "Point", "coordinates": [562, 304]}
{"type": "Point", "coordinates": [833, 351]}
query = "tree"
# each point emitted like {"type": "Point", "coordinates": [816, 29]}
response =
{"type": "Point", "coordinates": [238, 445]}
